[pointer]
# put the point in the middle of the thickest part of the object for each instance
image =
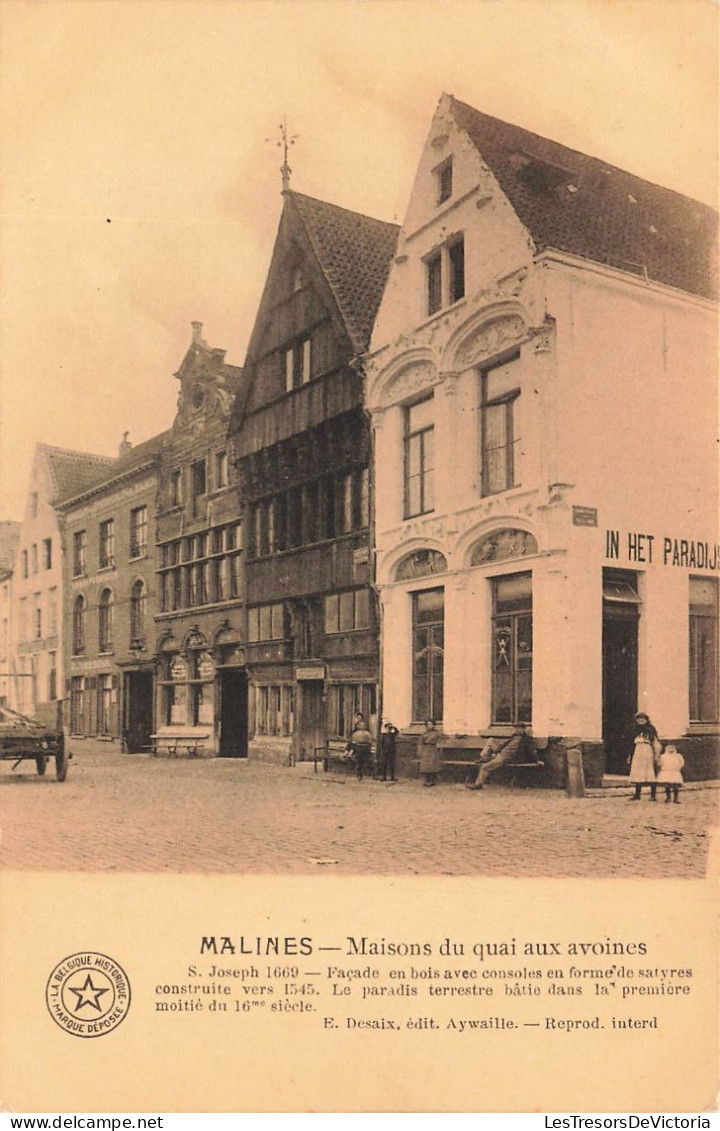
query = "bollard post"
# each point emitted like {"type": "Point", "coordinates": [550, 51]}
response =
{"type": "Point", "coordinates": [575, 773]}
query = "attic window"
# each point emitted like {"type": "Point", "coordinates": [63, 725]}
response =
{"type": "Point", "coordinates": [444, 181]}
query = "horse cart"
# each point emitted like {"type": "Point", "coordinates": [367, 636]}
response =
{"type": "Point", "coordinates": [23, 739]}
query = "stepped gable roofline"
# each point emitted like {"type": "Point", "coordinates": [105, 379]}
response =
{"type": "Point", "coordinates": [71, 471]}
{"type": "Point", "coordinates": [354, 252]}
{"type": "Point", "coordinates": [571, 202]}
{"type": "Point", "coordinates": [115, 470]}
{"type": "Point", "coordinates": [200, 355]}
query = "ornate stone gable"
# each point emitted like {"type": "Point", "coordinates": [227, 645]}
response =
{"type": "Point", "coordinates": [207, 388]}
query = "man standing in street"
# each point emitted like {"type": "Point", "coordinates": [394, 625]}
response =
{"type": "Point", "coordinates": [388, 749]}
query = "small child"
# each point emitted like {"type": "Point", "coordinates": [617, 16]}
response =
{"type": "Point", "coordinates": [670, 764]}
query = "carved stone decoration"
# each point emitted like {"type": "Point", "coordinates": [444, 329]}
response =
{"type": "Point", "coordinates": [503, 544]}
{"type": "Point", "coordinates": [421, 563]}
{"type": "Point", "coordinates": [195, 638]}
{"type": "Point", "coordinates": [490, 339]}
{"type": "Point", "coordinates": [413, 378]}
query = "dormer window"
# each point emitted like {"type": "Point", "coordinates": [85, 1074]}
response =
{"type": "Point", "coordinates": [444, 181]}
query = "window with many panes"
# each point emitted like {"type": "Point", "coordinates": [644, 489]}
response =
{"type": "Point", "coordinates": [106, 550]}
{"type": "Point", "coordinates": [704, 632]}
{"type": "Point", "coordinates": [419, 457]}
{"type": "Point", "coordinates": [428, 638]}
{"type": "Point", "coordinates": [138, 532]}
{"type": "Point", "coordinates": [201, 569]}
{"type": "Point", "coordinates": [499, 441]}
{"type": "Point", "coordinates": [79, 553]}
{"type": "Point", "coordinates": [344, 702]}
{"type": "Point", "coordinates": [512, 649]}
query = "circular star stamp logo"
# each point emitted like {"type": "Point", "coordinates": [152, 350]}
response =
{"type": "Point", "coordinates": [88, 994]}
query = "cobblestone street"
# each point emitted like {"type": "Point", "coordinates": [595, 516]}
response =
{"type": "Point", "coordinates": [135, 813]}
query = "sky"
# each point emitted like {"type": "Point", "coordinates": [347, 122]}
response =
{"type": "Point", "coordinates": [141, 183]}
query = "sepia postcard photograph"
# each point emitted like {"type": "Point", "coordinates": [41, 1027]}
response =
{"type": "Point", "coordinates": [359, 556]}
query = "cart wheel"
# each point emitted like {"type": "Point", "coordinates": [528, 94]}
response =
{"type": "Point", "coordinates": [41, 764]}
{"type": "Point", "coordinates": [61, 763]}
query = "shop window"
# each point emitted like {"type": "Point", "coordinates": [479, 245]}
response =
{"type": "Point", "coordinates": [419, 457]}
{"type": "Point", "coordinates": [106, 612]}
{"type": "Point", "coordinates": [104, 694]}
{"type": "Point", "coordinates": [106, 554]}
{"type": "Point", "coordinates": [704, 633]}
{"type": "Point", "coordinates": [512, 649]}
{"type": "Point", "coordinates": [428, 629]}
{"type": "Point", "coordinates": [344, 702]}
{"type": "Point", "coordinates": [78, 625]}
{"type": "Point", "coordinates": [138, 532]}
{"type": "Point", "coordinates": [499, 397]}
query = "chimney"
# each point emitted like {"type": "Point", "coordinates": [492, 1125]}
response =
{"type": "Point", "coordinates": [197, 339]}
{"type": "Point", "coordinates": [124, 446]}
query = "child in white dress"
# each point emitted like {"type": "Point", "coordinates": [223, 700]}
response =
{"type": "Point", "coordinates": [670, 766]}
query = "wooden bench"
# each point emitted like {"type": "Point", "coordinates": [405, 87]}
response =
{"type": "Point", "coordinates": [178, 743]}
{"type": "Point", "coordinates": [338, 759]}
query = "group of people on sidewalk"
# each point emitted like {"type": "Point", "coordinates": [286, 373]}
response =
{"type": "Point", "coordinates": [650, 762]}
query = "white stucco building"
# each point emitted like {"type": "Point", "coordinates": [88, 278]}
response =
{"type": "Point", "coordinates": [542, 379]}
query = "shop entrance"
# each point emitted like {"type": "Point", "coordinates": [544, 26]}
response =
{"type": "Point", "coordinates": [233, 714]}
{"type": "Point", "coordinates": [138, 711]}
{"type": "Point", "coordinates": [311, 730]}
{"type": "Point", "coordinates": [621, 616]}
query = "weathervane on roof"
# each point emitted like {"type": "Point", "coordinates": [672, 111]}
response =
{"type": "Point", "coordinates": [286, 140]}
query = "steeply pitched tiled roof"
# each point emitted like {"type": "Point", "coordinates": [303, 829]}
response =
{"type": "Point", "coordinates": [354, 252]}
{"type": "Point", "coordinates": [9, 535]}
{"type": "Point", "coordinates": [111, 469]}
{"type": "Point", "coordinates": [70, 471]}
{"type": "Point", "coordinates": [584, 206]}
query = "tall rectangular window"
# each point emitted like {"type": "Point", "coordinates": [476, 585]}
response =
{"type": "Point", "coordinates": [221, 470]}
{"type": "Point", "coordinates": [499, 395]}
{"type": "Point", "coordinates": [106, 555]}
{"type": "Point", "coordinates": [428, 629]}
{"type": "Point", "coordinates": [176, 494]}
{"type": "Point", "coordinates": [433, 269]}
{"type": "Point", "coordinates": [79, 553]}
{"type": "Point", "coordinates": [512, 649]}
{"type": "Point", "coordinates": [138, 532]}
{"type": "Point", "coordinates": [47, 553]}
{"type": "Point", "coordinates": [456, 269]}
{"type": "Point", "coordinates": [704, 632]}
{"type": "Point", "coordinates": [419, 458]}
{"type": "Point", "coordinates": [24, 563]}
{"type": "Point", "coordinates": [444, 181]}
{"type": "Point", "coordinates": [34, 557]}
